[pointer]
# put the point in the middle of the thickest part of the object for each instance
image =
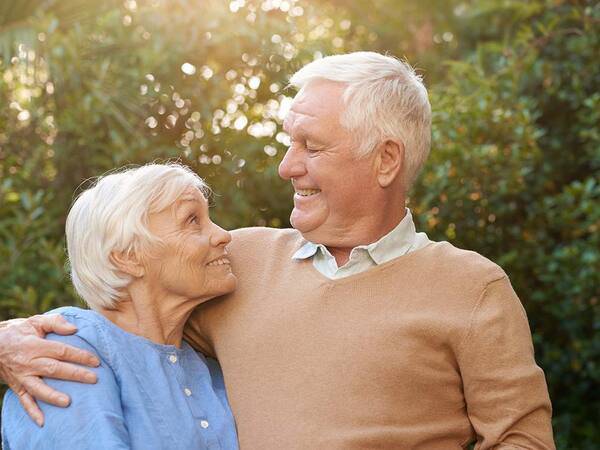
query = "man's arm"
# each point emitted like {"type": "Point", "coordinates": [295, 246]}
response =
{"type": "Point", "coordinates": [95, 419]}
{"type": "Point", "coordinates": [25, 357]}
{"type": "Point", "coordinates": [194, 335]}
{"type": "Point", "coordinates": [505, 391]}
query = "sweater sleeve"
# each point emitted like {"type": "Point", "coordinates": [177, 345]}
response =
{"type": "Point", "coordinates": [505, 391]}
{"type": "Point", "coordinates": [194, 335]}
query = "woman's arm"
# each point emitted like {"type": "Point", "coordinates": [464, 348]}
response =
{"type": "Point", "coordinates": [94, 420]}
{"type": "Point", "coordinates": [25, 357]}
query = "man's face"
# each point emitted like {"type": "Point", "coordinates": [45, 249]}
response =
{"type": "Point", "coordinates": [335, 191]}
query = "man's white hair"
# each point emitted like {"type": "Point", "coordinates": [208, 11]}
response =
{"type": "Point", "coordinates": [384, 99]}
{"type": "Point", "coordinates": [112, 215]}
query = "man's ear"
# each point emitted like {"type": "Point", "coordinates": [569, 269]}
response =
{"type": "Point", "coordinates": [127, 262]}
{"type": "Point", "coordinates": [391, 161]}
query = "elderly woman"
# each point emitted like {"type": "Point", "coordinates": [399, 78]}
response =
{"type": "Point", "coordinates": [143, 253]}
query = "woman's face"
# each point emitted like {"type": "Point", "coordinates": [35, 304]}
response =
{"type": "Point", "coordinates": [193, 261]}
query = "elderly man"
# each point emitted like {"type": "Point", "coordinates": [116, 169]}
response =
{"type": "Point", "coordinates": [353, 331]}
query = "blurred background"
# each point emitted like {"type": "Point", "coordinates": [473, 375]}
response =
{"type": "Point", "coordinates": [87, 86]}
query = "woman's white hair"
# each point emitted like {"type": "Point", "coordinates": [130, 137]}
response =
{"type": "Point", "coordinates": [384, 99]}
{"type": "Point", "coordinates": [112, 215]}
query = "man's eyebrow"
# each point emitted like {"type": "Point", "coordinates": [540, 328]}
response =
{"type": "Point", "coordinates": [300, 132]}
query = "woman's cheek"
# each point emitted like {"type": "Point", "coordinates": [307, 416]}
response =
{"type": "Point", "coordinates": [198, 247]}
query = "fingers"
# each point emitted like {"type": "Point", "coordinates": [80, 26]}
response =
{"type": "Point", "coordinates": [63, 352]}
{"type": "Point", "coordinates": [53, 323]}
{"type": "Point", "coordinates": [41, 391]}
{"type": "Point", "coordinates": [12, 322]}
{"type": "Point", "coordinates": [53, 368]}
{"type": "Point", "coordinates": [31, 408]}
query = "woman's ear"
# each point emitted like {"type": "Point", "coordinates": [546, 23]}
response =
{"type": "Point", "coordinates": [391, 161]}
{"type": "Point", "coordinates": [127, 262]}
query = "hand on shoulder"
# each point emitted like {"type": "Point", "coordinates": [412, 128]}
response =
{"type": "Point", "coordinates": [26, 357]}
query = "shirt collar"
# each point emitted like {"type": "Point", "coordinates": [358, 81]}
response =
{"type": "Point", "coordinates": [397, 242]}
{"type": "Point", "coordinates": [308, 250]}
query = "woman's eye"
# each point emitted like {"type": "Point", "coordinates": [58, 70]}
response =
{"type": "Point", "coordinates": [193, 219]}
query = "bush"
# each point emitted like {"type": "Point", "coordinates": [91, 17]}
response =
{"type": "Point", "coordinates": [513, 172]}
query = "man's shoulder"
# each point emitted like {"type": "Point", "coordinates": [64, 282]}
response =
{"type": "Point", "coordinates": [263, 233]}
{"type": "Point", "coordinates": [259, 249]}
{"type": "Point", "coordinates": [450, 260]}
{"type": "Point", "coordinates": [263, 238]}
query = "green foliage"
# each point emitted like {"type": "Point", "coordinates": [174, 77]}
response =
{"type": "Point", "coordinates": [514, 175]}
{"type": "Point", "coordinates": [513, 172]}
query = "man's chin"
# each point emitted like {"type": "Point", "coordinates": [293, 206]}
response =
{"type": "Point", "coordinates": [309, 231]}
{"type": "Point", "coordinates": [310, 222]}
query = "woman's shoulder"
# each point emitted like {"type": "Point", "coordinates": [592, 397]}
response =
{"type": "Point", "coordinates": [94, 419]}
{"type": "Point", "coordinates": [95, 414]}
{"type": "Point", "coordinates": [74, 314]}
{"type": "Point", "coordinates": [91, 331]}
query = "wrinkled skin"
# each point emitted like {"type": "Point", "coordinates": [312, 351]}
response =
{"type": "Point", "coordinates": [26, 357]}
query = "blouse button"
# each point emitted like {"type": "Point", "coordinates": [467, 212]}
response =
{"type": "Point", "coordinates": [204, 424]}
{"type": "Point", "coordinates": [187, 392]}
{"type": "Point", "coordinates": [173, 358]}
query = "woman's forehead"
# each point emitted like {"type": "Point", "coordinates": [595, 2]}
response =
{"type": "Point", "coordinates": [192, 193]}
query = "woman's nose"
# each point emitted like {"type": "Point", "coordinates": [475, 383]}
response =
{"type": "Point", "coordinates": [219, 236]}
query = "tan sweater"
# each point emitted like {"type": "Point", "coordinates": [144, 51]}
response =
{"type": "Point", "coordinates": [427, 351]}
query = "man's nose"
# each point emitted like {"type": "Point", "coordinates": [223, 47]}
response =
{"type": "Point", "coordinates": [292, 164]}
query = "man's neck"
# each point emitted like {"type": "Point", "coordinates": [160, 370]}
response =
{"type": "Point", "coordinates": [342, 253]}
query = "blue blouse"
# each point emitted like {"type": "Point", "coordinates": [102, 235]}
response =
{"type": "Point", "coordinates": [148, 396]}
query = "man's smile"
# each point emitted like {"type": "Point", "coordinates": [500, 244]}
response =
{"type": "Point", "coordinates": [307, 192]}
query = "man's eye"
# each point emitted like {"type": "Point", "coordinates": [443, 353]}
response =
{"type": "Point", "coordinates": [193, 219]}
{"type": "Point", "coordinates": [312, 150]}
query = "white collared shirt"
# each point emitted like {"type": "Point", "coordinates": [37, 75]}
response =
{"type": "Point", "coordinates": [401, 240]}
